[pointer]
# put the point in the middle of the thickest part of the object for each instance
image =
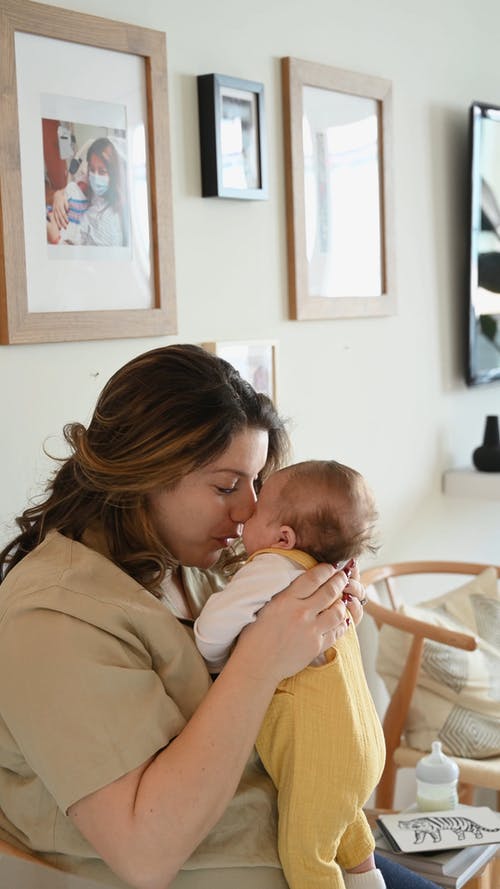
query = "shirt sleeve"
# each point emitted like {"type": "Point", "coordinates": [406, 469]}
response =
{"type": "Point", "coordinates": [226, 613]}
{"type": "Point", "coordinates": [83, 705]}
{"type": "Point", "coordinates": [113, 234]}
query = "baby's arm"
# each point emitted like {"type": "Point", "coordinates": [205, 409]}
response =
{"type": "Point", "coordinates": [226, 613]}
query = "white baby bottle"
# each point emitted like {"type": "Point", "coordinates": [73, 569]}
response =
{"type": "Point", "coordinates": [437, 779]}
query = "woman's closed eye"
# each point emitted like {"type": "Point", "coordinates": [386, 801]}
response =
{"type": "Point", "coordinates": [237, 485]}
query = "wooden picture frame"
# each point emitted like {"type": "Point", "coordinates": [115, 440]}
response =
{"type": "Point", "coordinates": [232, 137]}
{"type": "Point", "coordinates": [255, 360]}
{"type": "Point", "coordinates": [337, 137]}
{"type": "Point", "coordinates": [124, 284]}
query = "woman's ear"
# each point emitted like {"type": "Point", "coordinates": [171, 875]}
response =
{"type": "Point", "coordinates": [287, 537]}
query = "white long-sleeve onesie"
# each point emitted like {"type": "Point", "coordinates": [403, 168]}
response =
{"type": "Point", "coordinates": [226, 613]}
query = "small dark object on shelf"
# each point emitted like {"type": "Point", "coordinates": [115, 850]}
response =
{"type": "Point", "coordinates": [486, 457]}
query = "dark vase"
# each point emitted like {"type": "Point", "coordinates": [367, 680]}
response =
{"type": "Point", "coordinates": [486, 458]}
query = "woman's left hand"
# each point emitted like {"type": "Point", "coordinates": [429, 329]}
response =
{"type": "Point", "coordinates": [354, 593]}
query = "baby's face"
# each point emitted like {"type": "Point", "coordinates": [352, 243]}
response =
{"type": "Point", "coordinates": [262, 529]}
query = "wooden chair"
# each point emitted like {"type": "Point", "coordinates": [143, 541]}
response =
{"type": "Point", "coordinates": [473, 772]}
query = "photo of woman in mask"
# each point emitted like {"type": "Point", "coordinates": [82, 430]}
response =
{"type": "Point", "coordinates": [91, 212]}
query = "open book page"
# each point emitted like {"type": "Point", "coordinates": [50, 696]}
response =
{"type": "Point", "coordinates": [435, 831]}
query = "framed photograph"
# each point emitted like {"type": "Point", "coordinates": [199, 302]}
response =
{"type": "Point", "coordinates": [337, 134]}
{"type": "Point", "coordinates": [232, 137]}
{"type": "Point", "coordinates": [85, 182]}
{"type": "Point", "coordinates": [255, 360]}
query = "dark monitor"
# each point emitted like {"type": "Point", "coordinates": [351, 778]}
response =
{"type": "Point", "coordinates": [483, 302]}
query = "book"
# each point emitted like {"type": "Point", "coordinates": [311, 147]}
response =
{"type": "Point", "coordinates": [452, 869]}
{"type": "Point", "coordinates": [438, 831]}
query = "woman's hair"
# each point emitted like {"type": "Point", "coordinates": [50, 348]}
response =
{"type": "Point", "coordinates": [164, 414]}
{"type": "Point", "coordinates": [331, 509]}
{"type": "Point", "coordinates": [106, 151]}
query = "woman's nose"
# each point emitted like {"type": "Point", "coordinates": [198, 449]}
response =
{"type": "Point", "coordinates": [244, 507]}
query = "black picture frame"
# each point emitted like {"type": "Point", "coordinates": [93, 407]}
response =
{"type": "Point", "coordinates": [232, 137]}
{"type": "Point", "coordinates": [482, 322]}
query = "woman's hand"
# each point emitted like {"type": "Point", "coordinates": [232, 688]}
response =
{"type": "Point", "coordinates": [53, 235]}
{"type": "Point", "coordinates": [183, 790]}
{"type": "Point", "coordinates": [354, 592]}
{"type": "Point", "coordinates": [297, 625]}
{"type": "Point", "coordinates": [60, 208]}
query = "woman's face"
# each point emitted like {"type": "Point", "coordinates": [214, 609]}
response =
{"type": "Point", "coordinates": [207, 509]}
{"type": "Point", "coordinates": [98, 174]}
{"type": "Point", "coordinates": [264, 526]}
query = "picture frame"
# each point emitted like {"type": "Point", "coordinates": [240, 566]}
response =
{"type": "Point", "coordinates": [255, 360]}
{"type": "Point", "coordinates": [232, 137]}
{"type": "Point", "coordinates": [337, 142]}
{"type": "Point", "coordinates": [106, 79]}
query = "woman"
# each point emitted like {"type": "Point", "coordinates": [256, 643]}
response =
{"type": "Point", "coordinates": [91, 212]}
{"type": "Point", "coordinates": [118, 756]}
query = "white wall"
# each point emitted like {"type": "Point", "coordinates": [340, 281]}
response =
{"type": "Point", "coordinates": [389, 396]}
{"type": "Point", "coordinates": [386, 395]}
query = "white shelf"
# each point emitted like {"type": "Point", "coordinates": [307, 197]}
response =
{"type": "Point", "coordinates": [472, 483]}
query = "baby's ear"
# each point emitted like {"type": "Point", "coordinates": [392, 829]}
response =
{"type": "Point", "coordinates": [287, 537]}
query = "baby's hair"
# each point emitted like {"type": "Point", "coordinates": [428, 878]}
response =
{"type": "Point", "coordinates": [331, 509]}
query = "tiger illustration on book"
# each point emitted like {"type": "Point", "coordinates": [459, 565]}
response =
{"type": "Point", "coordinates": [432, 826]}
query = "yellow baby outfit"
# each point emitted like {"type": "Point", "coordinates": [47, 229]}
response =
{"type": "Point", "coordinates": [321, 742]}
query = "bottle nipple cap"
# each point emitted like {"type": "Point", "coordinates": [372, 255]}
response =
{"type": "Point", "coordinates": [436, 767]}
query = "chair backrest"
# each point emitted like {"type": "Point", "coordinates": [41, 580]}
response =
{"type": "Point", "coordinates": [384, 576]}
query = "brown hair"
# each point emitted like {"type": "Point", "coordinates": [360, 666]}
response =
{"type": "Point", "coordinates": [330, 508]}
{"type": "Point", "coordinates": [104, 149]}
{"type": "Point", "coordinates": [162, 415]}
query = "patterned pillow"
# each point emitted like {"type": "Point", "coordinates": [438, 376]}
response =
{"type": "Point", "coordinates": [457, 698]}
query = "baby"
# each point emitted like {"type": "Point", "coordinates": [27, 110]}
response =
{"type": "Point", "coordinates": [321, 741]}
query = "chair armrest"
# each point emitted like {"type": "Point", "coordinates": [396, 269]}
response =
{"type": "Point", "coordinates": [419, 628]}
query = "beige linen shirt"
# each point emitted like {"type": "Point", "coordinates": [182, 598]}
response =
{"type": "Point", "coordinates": [97, 675]}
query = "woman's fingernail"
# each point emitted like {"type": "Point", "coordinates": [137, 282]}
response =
{"type": "Point", "coordinates": [348, 621]}
{"type": "Point", "coordinates": [346, 597]}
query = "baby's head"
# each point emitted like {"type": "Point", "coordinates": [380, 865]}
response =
{"type": "Point", "coordinates": [319, 506]}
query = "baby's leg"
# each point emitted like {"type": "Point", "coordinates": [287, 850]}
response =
{"type": "Point", "coordinates": [291, 744]}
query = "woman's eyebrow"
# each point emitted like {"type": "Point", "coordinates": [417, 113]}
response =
{"type": "Point", "coordinates": [230, 471]}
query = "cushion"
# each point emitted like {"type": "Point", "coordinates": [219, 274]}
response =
{"type": "Point", "coordinates": [457, 699]}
